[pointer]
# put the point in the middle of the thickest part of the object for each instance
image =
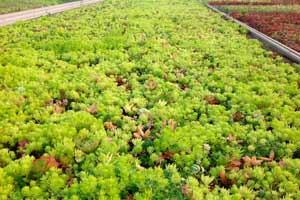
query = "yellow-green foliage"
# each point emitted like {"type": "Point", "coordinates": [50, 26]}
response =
{"type": "Point", "coordinates": [156, 99]}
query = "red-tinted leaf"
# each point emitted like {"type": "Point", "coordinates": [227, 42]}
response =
{"type": "Point", "coordinates": [211, 100]}
{"type": "Point", "coordinates": [235, 164]}
{"type": "Point", "coordinates": [120, 81]}
{"type": "Point", "coordinates": [22, 144]}
{"type": "Point", "coordinates": [186, 190]}
{"type": "Point", "coordinates": [224, 180]}
{"type": "Point", "coordinates": [21, 101]}
{"type": "Point", "coordinates": [109, 139]}
{"type": "Point", "coordinates": [252, 161]}
{"type": "Point", "coordinates": [237, 116]}
{"type": "Point", "coordinates": [231, 138]}
{"type": "Point", "coordinates": [109, 126]}
{"type": "Point", "coordinates": [98, 79]}
{"type": "Point", "coordinates": [140, 133]}
{"type": "Point", "coordinates": [44, 163]}
{"type": "Point", "coordinates": [70, 181]}
{"type": "Point", "coordinates": [167, 155]}
{"type": "Point", "coordinates": [281, 164]}
{"type": "Point", "coordinates": [184, 86]}
{"type": "Point", "coordinates": [59, 106]}
{"type": "Point", "coordinates": [152, 85]}
{"type": "Point", "coordinates": [270, 158]}
{"type": "Point", "coordinates": [130, 197]}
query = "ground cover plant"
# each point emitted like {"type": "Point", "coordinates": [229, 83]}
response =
{"type": "Point", "coordinates": [254, 2]}
{"type": "Point", "coordinates": [277, 18]}
{"type": "Point", "coordinates": [282, 9]}
{"type": "Point", "coordinates": [145, 100]}
{"type": "Point", "coordinates": [8, 6]}
{"type": "Point", "coordinates": [284, 27]}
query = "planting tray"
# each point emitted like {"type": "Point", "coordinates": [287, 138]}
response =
{"type": "Point", "coordinates": [268, 41]}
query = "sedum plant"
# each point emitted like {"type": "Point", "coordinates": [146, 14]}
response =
{"type": "Point", "coordinates": [145, 100]}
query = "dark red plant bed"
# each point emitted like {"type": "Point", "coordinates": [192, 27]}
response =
{"type": "Point", "coordinates": [270, 3]}
{"type": "Point", "coordinates": [283, 27]}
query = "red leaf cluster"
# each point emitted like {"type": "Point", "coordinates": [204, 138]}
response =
{"type": "Point", "coordinates": [22, 144]}
{"type": "Point", "coordinates": [255, 3]}
{"type": "Point", "coordinates": [246, 161]}
{"type": "Point", "coordinates": [237, 116]}
{"type": "Point", "coordinates": [211, 100]}
{"type": "Point", "coordinates": [224, 180]}
{"type": "Point", "coordinates": [172, 123]}
{"type": "Point", "coordinates": [59, 105]}
{"type": "Point", "coordinates": [186, 190]}
{"type": "Point", "coordinates": [167, 155]}
{"type": "Point", "coordinates": [284, 27]}
{"type": "Point", "coordinates": [44, 163]}
{"type": "Point", "coordinates": [110, 126]}
{"type": "Point", "coordinates": [120, 81]}
{"type": "Point", "coordinates": [20, 101]}
{"type": "Point", "coordinates": [231, 138]}
{"type": "Point", "coordinates": [253, 161]}
{"type": "Point", "coordinates": [140, 133]}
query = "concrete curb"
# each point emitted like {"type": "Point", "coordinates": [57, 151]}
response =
{"type": "Point", "coordinates": [11, 18]}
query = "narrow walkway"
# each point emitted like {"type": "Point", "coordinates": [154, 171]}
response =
{"type": "Point", "coordinates": [11, 18]}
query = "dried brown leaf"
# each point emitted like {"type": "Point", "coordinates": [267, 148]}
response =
{"type": "Point", "coordinates": [58, 108]}
{"type": "Point", "coordinates": [252, 161]}
{"type": "Point", "coordinates": [140, 133]}
{"type": "Point", "coordinates": [109, 126]}
{"type": "Point", "coordinates": [270, 158]}
{"type": "Point", "coordinates": [92, 109]}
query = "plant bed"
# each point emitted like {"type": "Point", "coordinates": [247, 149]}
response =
{"type": "Point", "coordinates": [255, 3]}
{"type": "Point", "coordinates": [250, 8]}
{"type": "Point", "coordinates": [158, 99]}
{"type": "Point", "coordinates": [284, 27]}
{"type": "Point", "coordinates": [278, 19]}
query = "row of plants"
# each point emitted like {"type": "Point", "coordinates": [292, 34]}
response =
{"type": "Point", "coordinates": [152, 99]}
{"type": "Point", "coordinates": [254, 2]}
{"type": "Point", "coordinates": [8, 6]}
{"type": "Point", "coordinates": [250, 9]}
{"type": "Point", "coordinates": [284, 27]}
{"type": "Point", "coordinates": [277, 19]}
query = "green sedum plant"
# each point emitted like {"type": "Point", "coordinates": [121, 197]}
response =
{"type": "Point", "coordinates": [145, 100]}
